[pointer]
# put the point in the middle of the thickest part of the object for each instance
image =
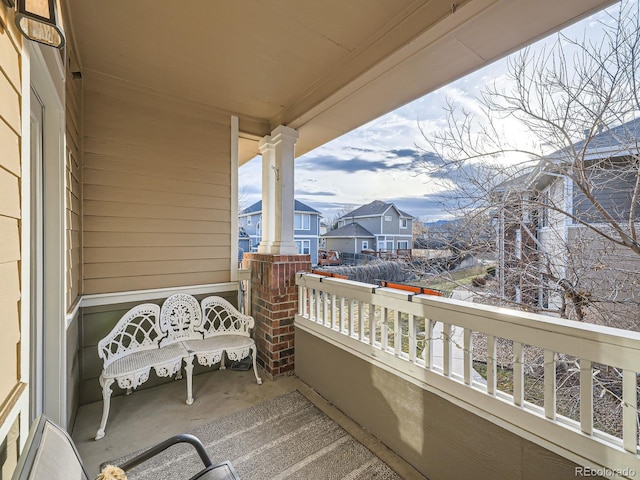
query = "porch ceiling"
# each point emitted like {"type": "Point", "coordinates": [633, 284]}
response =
{"type": "Point", "coordinates": [323, 67]}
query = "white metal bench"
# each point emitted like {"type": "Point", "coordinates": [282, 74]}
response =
{"type": "Point", "coordinates": [148, 337]}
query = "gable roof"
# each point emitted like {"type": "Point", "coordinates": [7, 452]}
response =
{"type": "Point", "coordinates": [375, 208]}
{"type": "Point", "coordinates": [298, 207]}
{"type": "Point", "coordinates": [610, 142]}
{"type": "Point", "coordinates": [351, 230]}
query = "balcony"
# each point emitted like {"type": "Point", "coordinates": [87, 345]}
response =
{"type": "Point", "coordinates": [395, 369]}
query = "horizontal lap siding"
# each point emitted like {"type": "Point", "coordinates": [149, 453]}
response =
{"type": "Point", "coordinates": [10, 217]}
{"type": "Point", "coordinates": [156, 189]}
{"type": "Point", "coordinates": [73, 101]}
{"type": "Point", "coordinates": [73, 204]}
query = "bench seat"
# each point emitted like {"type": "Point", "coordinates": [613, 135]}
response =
{"type": "Point", "coordinates": [209, 351]}
{"type": "Point", "coordinates": [149, 337]}
{"type": "Point", "coordinates": [165, 361]}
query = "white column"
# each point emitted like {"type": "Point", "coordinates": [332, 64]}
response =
{"type": "Point", "coordinates": [267, 150]}
{"type": "Point", "coordinates": [278, 154]}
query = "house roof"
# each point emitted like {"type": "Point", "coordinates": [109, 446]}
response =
{"type": "Point", "coordinates": [298, 207]}
{"type": "Point", "coordinates": [352, 230]}
{"type": "Point", "coordinates": [375, 208]}
{"type": "Point", "coordinates": [616, 141]}
{"type": "Point", "coordinates": [329, 66]}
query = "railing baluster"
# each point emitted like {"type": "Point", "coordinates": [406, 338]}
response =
{"type": "Point", "coordinates": [550, 384]}
{"type": "Point", "coordinates": [341, 314]}
{"type": "Point", "coordinates": [468, 356]}
{"type": "Point", "coordinates": [350, 316]}
{"type": "Point", "coordinates": [384, 329]}
{"type": "Point", "coordinates": [361, 320]}
{"type": "Point", "coordinates": [446, 351]}
{"type": "Point", "coordinates": [397, 334]}
{"type": "Point", "coordinates": [518, 374]}
{"type": "Point", "coordinates": [586, 396]}
{"type": "Point", "coordinates": [301, 303]}
{"type": "Point", "coordinates": [491, 365]}
{"type": "Point", "coordinates": [630, 411]}
{"type": "Point", "coordinates": [372, 324]}
{"type": "Point", "coordinates": [412, 337]}
{"type": "Point", "coordinates": [317, 305]}
{"type": "Point", "coordinates": [312, 304]}
{"type": "Point", "coordinates": [428, 343]}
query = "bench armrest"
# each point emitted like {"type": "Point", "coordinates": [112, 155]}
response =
{"type": "Point", "coordinates": [161, 447]}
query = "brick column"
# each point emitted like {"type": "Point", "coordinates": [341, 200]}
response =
{"type": "Point", "coordinates": [274, 303]}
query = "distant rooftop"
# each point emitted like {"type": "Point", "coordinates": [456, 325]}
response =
{"type": "Point", "coordinates": [351, 230]}
{"type": "Point", "coordinates": [298, 207]}
{"type": "Point", "coordinates": [377, 207]}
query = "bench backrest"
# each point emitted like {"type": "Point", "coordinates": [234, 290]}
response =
{"type": "Point", "coordinates": [49, 453]}
{"type": "Point", "coordinates": [219, 317]}
{"type": "Point", "coordinates": [180, 318]}
{"type": "Point", "coordinates": [136, 330]}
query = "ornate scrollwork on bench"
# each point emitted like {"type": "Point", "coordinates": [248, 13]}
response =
{"type": "Point", "coordinates": [148, 337]}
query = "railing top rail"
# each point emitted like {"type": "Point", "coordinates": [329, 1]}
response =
{"type": "Point", "coordinates": [613, 346]}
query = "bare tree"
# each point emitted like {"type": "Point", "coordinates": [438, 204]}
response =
{"type": "Point", "coordinates": [552, 155]}
{"type": "Point", "coordinates": [332, 221]}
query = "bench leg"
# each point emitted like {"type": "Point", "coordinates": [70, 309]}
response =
{"type": "Point", "coordinates": [254, 351]}
{"type": "Point", "coordinates": [188, 367]}
{"type": "Point", "coordinates": [223, 365]}
{"type": "Point", "coordinates": [106, 403]}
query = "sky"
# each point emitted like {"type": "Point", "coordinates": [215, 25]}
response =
{"type": "Point", "coordinates": [375, 161]}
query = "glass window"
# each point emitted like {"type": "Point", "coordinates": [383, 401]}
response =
{"type": "Point", "coordinates": [302, 221]}
{"type": "Point", "coordinates": [365, 245]}
{"type": "Point", "coordinates": [403, 223]}
{"type": "Point", "coordinates": [304, 247]}
{"type": "Point", "coordinates": [403, 245]}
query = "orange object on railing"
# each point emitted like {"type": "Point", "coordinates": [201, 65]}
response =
{"type": "Point", "coordinates": [329, 274]}
{"type": "Point", "coordinates": [412, 288]}
{"type": "Point", "coordinates": [383, 283]}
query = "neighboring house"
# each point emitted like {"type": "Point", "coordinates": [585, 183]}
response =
{"type": "Point", "coordinates": [119, 160]}
{"type": "Point", "coordinates": [306, 224]}
{"type": "Point", "coordinates": [244, 242]}
{"type": "Point", "coordinates": [546, 221]}
{"type": "Point", "coordinates": [377, 226]}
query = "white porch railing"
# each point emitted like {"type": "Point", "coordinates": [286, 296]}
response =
{"type": "Point", "coordinates": [381, 324]}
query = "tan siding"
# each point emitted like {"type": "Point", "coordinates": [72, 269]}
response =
{"type": "Point", "coordinates": [10, 148]}
{"type": "Point", "coordinates": [137, 239]}
{"type": "Point", "coordinates": [156, 208]}
{"type": "Point", "coordinates": [10, 128]}
{"type": "Point", "coordinates": [74, 161]}
{"type": "Point", "coordinates": [122, 284]}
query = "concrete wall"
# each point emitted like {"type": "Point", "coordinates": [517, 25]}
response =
{"type": "Point", "coordinates": [439, 439]}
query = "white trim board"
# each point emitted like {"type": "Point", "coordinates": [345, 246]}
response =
{"type": "Point", "coordinates": [100, 299]}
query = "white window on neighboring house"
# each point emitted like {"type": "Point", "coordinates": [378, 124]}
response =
{"type": "Point", "coordinates": [304, 247]}
{"type": "Point", "coordinates": [389, 245]}
{"type": "Point", "coordinates": [365, 245]}
{"type": "Point", "coordinates": [388, 218]}
{"type": "Point", "coordinates": [403, 245]}
{"type": "Point", "coordinates": [302, 221]}
{"type": "Point", "coordinates": [403, 223]}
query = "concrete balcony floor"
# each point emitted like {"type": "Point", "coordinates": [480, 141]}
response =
{"type": "Point", "coordinates": [151, 415]}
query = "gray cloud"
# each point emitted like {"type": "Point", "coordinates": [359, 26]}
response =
{"type": "Point", "coordinates": [301, 192]}
{"type": "Point", "coordinates": [331, 163]}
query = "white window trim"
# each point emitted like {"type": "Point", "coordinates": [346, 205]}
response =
{"type": "Point", "coordinates": [302, 217]}
{"type": "Point", "coordinates": [365, 245]}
